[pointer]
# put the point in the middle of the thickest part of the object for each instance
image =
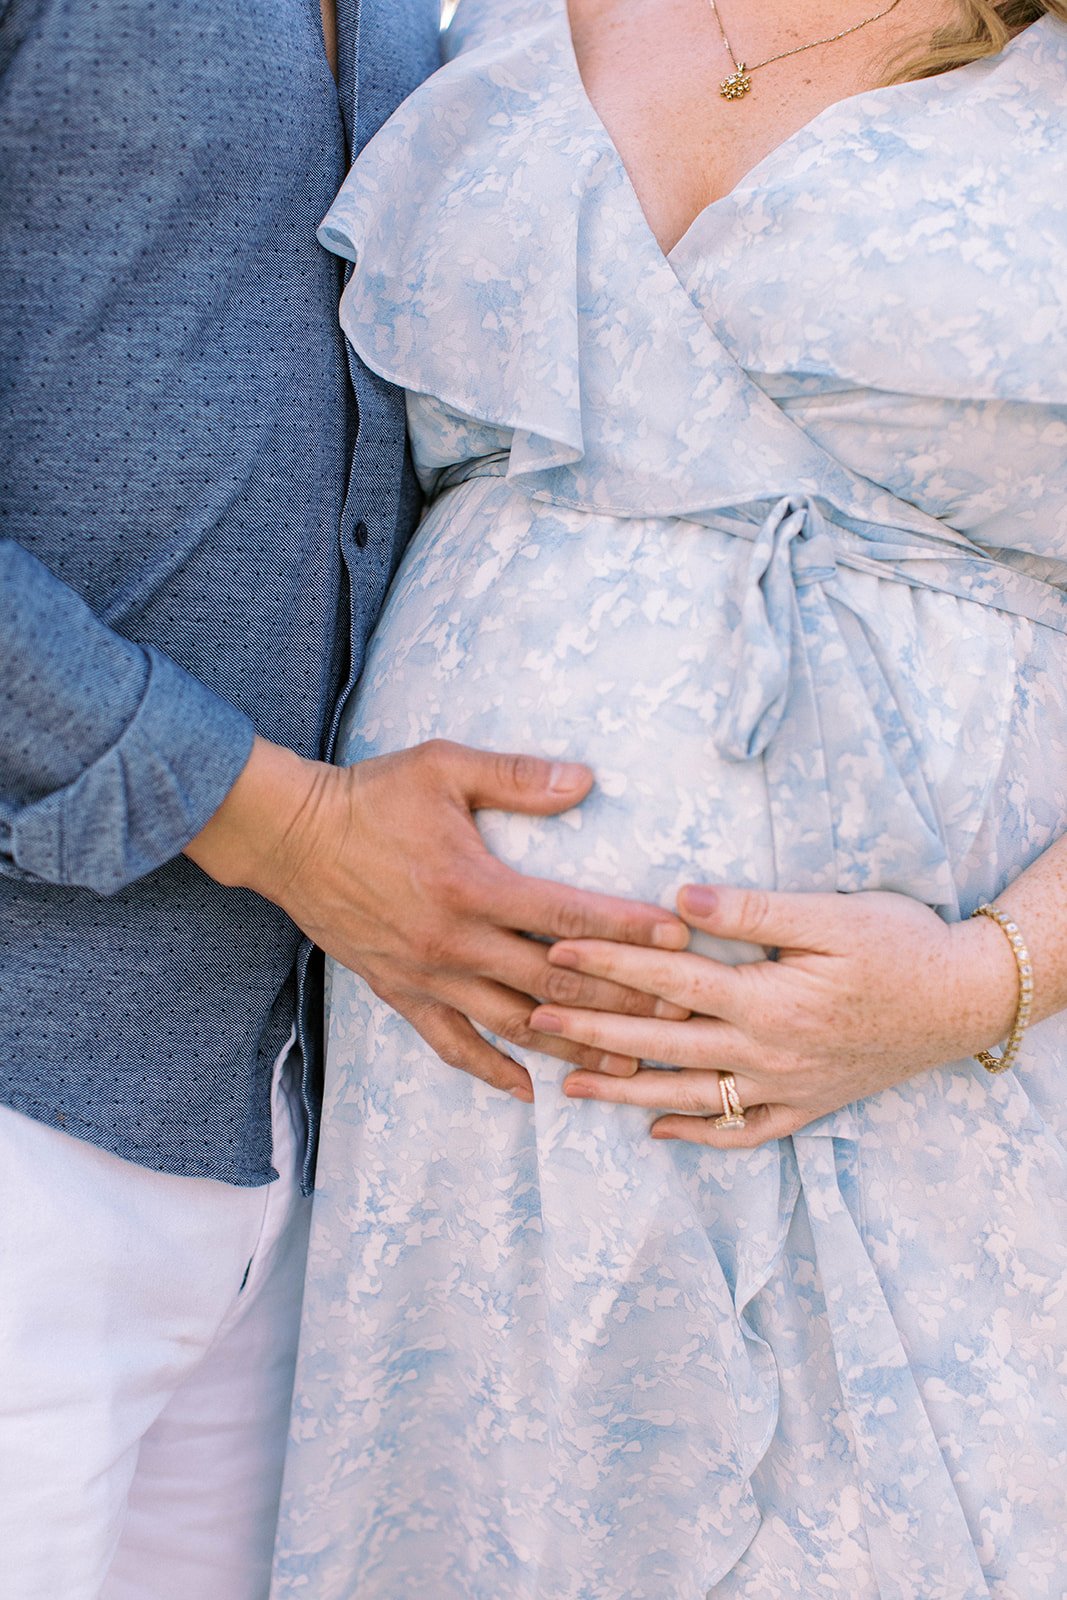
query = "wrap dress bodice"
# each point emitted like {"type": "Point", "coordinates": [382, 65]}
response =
{"type": "Point", "coordinates": [772, 531]}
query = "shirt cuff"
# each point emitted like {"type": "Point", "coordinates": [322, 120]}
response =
{"type": "Point", "coordinates": [138, 805]}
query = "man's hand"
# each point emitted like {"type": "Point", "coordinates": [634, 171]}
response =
{"type": "Point", "coordinates": [382, 865]}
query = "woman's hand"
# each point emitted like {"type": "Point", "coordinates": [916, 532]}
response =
{"type": "Point", "coordinates": [858, 992]}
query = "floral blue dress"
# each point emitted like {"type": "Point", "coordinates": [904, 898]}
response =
{"type": "Point", "coordinates": [772, 531]}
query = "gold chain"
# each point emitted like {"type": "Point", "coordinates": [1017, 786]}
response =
{"type": "Point", "coordinates": [737, 85]}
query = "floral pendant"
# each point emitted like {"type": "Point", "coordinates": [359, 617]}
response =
{"type": "Point", "coordinates": [737, 84]}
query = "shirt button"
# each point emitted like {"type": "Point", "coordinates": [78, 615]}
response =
{"type": "Point", "coordinates": [360, 534]}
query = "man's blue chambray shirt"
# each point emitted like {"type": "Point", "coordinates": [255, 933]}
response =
{"type": "Point", "coordinates": [193, 541]}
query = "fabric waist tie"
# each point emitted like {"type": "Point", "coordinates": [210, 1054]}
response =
{"type": "Point", "coordinates": [952, 565]}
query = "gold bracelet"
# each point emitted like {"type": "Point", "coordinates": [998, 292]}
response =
{"type": "Point", "coordinates": [1011, 932]}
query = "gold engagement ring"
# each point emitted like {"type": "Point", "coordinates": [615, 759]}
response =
{"type": "Point", "coordinates": [733, 1112]}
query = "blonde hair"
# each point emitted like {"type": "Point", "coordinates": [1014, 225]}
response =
{"type": "Point", "coordinates": [984, 28]}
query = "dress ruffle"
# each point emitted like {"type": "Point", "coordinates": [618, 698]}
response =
{"type": "Point", "coordinates": [982, 323]}
{"type": "Point", "coordinates": [512, 280]}
{"type": "Point", "coordinates": [511, 361]}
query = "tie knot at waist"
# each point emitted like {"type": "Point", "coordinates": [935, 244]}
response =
{"type": "Point", "coordinates": [792, 551]}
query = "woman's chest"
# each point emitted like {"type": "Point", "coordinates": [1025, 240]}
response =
{"type": "Point", "coordinates": [654, 70]}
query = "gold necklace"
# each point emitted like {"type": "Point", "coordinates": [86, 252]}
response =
{"type": "Point", "coordinates": [737, 85]}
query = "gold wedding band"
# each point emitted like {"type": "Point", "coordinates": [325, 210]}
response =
{"type": "Point", "coordinates": [733, 1112]}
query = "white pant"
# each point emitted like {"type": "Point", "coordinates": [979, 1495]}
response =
{"type": "Point", "coordinates": [148, 1329]}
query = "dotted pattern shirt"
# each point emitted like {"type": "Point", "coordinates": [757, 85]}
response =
{"type": "Point", "coordinates": [193, 545]}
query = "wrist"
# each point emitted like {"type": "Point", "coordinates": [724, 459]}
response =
{"type": "Point", "coordinates": [260, 836]}
{"type": "Point", "coordinates": [987, 980]}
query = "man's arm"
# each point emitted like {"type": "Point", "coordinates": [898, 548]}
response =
{"type": "Point", "coordinates": [113, 760]}
{"type": "Point", "coordinates": [111, 756]}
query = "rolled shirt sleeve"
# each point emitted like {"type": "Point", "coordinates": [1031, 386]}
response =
{"type": "Point", "coordinates": [112, 757]}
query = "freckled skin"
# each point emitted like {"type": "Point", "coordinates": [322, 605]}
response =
{"type": "Point", "coordinates": [653, 68]}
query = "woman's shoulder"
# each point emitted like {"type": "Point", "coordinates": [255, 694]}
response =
{"type": "Point", "coordinates": [1045, 41]}
{"type": "Point", "coordinates": [1034, 67]}
{"type": "Point", "coordinates": [1021, 91]}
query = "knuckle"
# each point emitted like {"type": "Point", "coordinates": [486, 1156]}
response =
{"type": "Point", "coordinates": [518, 771]}
{"type": "Point", "coordinates": [756, 910]}
{"type": "Point", "coordinates": [517, 1031]}
{"type": "Point", "coordinates": [442, 881]}
{"type": "Point", "coordinates": [436, 751]}
{"type": "Point", "coordinates": [772, 1070]}
{"type": "Point", "coordinates": [635, 926]}
{"type": "Point", "coordinates": [434, 756]}
{"type": "Point", "coordinates": [390, 995]}
{"type": "Point", "coordinates": [436, 1028]}
{"type": "Point", "coordinates": [566, 987]}
{"type": "Point", "coordinates": [452, 884]}
{"type": "Point", "coordinates": [571, 920]}
{"type": "Point", "coordinates": [432, 947]}
{"type": "Point", "coordinates": [779, 1067]}
{"type": "Point", "coordinates": [582, 1055]}
{"type": "Point", "coordinates": [451, 1053]}
{"type": "Point", "coordinates": [496, 1077]}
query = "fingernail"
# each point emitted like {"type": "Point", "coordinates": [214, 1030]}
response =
{"type": "Point", "coordinates": [700, 901]}
{"type": "Point", "coordinates": [525, 1095]}
{"type": "Point", "coordinates": [561, 956]}
{"type": "Point", "coordinates": [547, 1022]}
{"type": "Point", "coordinates": [579, 1091]}
{"type": "Point", "coordinates": [656, 1134]}
{"type": "Point", "coordinates": [615, 1066]}
{"type": "Point", "coordinates": [668, 936]}
{"type": "Point", "coordinates": [565, 775]}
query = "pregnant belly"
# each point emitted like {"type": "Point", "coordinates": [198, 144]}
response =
{"type": "Point", "coordinates": [560, 1239]}
{"type": "Point", "coordinates": [627, 643]}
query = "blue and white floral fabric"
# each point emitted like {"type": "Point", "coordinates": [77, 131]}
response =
{"type": "Point", "coordinates": [772, 531]}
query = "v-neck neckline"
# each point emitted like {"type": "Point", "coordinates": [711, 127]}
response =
{"type": "Point", "coordinates": [750, 181]}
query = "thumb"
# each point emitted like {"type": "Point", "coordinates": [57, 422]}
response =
{"type": "Point", "coordinates": [490, 780]}
{"type": "Point", "coordinates": [758, 916]}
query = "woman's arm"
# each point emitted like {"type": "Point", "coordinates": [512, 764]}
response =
{"type": "Point", "coordinates": [866, 991]}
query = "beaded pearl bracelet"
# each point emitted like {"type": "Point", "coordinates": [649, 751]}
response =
{"type": "Point", "coordinates": [1007, 1056]}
